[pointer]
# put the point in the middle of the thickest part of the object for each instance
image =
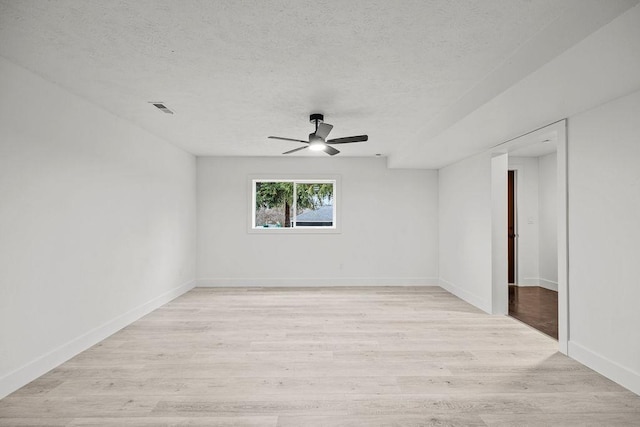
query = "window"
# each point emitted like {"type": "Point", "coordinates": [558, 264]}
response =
{"type": "Point", "coordinates": [294, 204]}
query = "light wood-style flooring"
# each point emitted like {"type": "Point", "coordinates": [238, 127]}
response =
{"type": "Point", "coordinates": [366, 356]}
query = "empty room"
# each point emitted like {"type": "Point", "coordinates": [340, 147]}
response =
{"type": "Point", "coordinates": [292, 213]}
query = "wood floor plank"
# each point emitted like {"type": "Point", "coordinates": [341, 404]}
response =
{"type": "Point", "coordinates": [264, 421]}
{"type": "Point", "coordinates": [535, 306]}
{"type": "Point", "coordinates": [584, 419]}
{"type": "Point", "coordinates": [35, 422]}
{"type": "Point", "coordinates": [353, 356]}
{"type": "Point", "coordinates": [398, 420]}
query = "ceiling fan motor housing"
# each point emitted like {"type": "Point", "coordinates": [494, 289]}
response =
{"type": "Point", "coordinates": [316, 118]}
{"type": "Point", "coordinates": [314, 138]}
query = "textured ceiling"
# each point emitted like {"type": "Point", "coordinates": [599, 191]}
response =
{"type": "Point", "coordinates": [235, 72]}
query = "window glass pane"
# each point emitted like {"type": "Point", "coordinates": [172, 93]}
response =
{"type": "Point", "coordinates": [274, 203]}
{"type": "Point", "coordinates": [314, 205]}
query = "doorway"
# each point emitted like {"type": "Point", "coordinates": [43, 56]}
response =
{"type": "Point", "coordinates": [532, 237]}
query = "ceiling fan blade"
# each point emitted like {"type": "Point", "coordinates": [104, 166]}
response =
{"type": "Point", "coordinates": [330, 151]}
{"type": "Point", "coordinates": [348, 139]}
{"type": "Point", "coordinates": [294, 150]}
{"type": "Point", "coordinates": [288, 139]}
{"type": "Point", "coordinates": [323, 130]}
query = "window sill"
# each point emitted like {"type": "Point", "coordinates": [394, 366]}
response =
{"type": "Point", "coordinates": [295, 230]}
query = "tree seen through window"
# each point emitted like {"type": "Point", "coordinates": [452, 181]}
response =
{"type": "Point", "coordinates": [275, 207]}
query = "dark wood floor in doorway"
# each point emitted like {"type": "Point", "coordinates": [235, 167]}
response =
{"type": "Point", "coordinates": [535, 306]}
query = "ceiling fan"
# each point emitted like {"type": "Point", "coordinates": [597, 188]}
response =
{"type": "Point", "coordinates": [318, 140]}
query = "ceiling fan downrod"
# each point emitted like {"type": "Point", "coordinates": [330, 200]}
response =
{"type": "Point", "coordinates": [316, 118]}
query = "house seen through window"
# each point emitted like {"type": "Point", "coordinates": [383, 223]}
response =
{"type": "Point", "coordinates": [294, 204]}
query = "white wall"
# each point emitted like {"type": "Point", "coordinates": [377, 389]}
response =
{"type": "Point", "coordinates": [97, 224]}
{"type": "Point", "coordinates": [604, 236]}
{"type": "Point", "coordinates": [548, 224]}
{"type": "Point", "coordinates": [465, 206]}
{"type": "Point", "coordinates": [389, 232]}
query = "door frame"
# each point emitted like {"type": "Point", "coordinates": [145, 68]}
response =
{"type": "Point", "coordinates": [516, 194]}
{"type": "Point", "coordinates": [499, 256]}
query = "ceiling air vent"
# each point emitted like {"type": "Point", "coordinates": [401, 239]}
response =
{"type": "Point", "coordinates": [160, 106]}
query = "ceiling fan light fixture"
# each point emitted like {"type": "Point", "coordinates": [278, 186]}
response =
{"type": "Point", "coordinates": [317, 145]}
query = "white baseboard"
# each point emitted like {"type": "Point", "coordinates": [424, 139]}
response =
{"type": "Point", "coordinates": [538, 281]}
{"type": "Point", "coordinates": [40, 366]}
{"type": "Point", "coordinates": [313, 282]}
{"type": "Point", "coordinates": [610, 369]}
{"type": "Point", "coordinates": [528, 281]}
{"type": "Point", "coordinates": [548, 284]}
{"type": "Point", "coordinates": [467, 296]}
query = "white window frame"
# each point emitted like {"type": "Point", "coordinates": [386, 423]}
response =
{"type": "Point", "coordinates": [301, 179]}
